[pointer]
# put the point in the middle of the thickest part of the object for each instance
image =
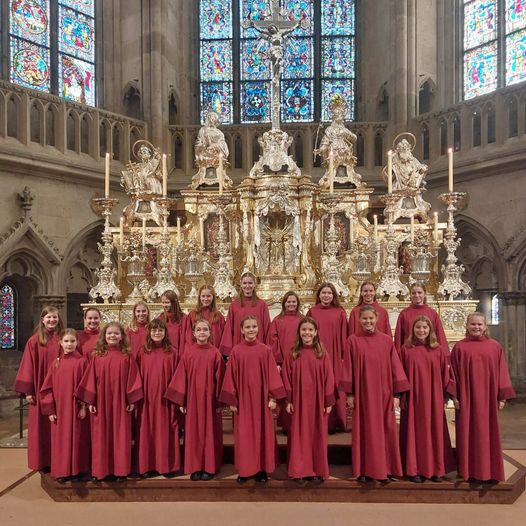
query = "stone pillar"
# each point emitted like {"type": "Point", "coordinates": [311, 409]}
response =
{"type": "Point", "coordinates": [513, 318]}
{"type": "Point", "coordinates": [400, 94]}
{"type": "Point", "coordinates": [156, 72]}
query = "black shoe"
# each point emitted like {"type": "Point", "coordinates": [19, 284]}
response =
{"type": "Point", "coordinates": [120, 479]}
{"type": "Point", "coordinates": [315, 480]}
{"type": "Point", "coordinates": [206, 476]}
{"type": "Point", "coordinates": [196, 475]}
{"type": "Point", "coordinates": [62, 480]}
{"type": "Point", "coordinates": [332, 431]}
{"type": "Point", "coordinates": [490, 482]}
{"type": "Point", "coordinates": [417, 479]}
{"type": "Point", "coordinates": [434, 478]}
{"type": "Point", "coordinates": [261, 476]}
{"type": "Point", "coordinates": [475, 482]}
{"type": "Point", "coordinates": [170, 475]}
{"type": "Point", "coordinates": [364, 480]}
{"type": "Point", "coordinates": [242, 480]}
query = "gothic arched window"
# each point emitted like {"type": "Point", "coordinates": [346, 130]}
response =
{"type": "Point", "coordinates": [235, 71]}
{"type": "Point", "coordinates": [494, 45]}
{"type": "Point", "coordinates": [52, 46]}
{"type": "Point", "coordinates": [7, 317]}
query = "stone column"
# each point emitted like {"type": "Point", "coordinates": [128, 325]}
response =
{"type": "Point", "coordinates": [513, 318]}
{"type": "Point", "coordinates": [400, 94]}
{"type": "Point", "coordinates": [156, 72]}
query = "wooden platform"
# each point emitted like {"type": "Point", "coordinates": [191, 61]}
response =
{"type": "Point", "coordinates": [339, 488]}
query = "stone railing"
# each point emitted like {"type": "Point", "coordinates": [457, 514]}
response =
{"type": "Point", "coordinates": [372, 143]}
{"type": "Point", "coordinates": [495, 123]}
{"type": "Point", "coordinates": [57, 125]}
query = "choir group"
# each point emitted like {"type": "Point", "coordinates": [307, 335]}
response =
{"type": "Point", "coordinates": [112, 402]}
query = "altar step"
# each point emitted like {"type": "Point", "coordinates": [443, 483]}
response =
{"type": "Point", "coordinates": [339, 488]}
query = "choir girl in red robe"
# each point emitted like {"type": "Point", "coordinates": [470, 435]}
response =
{"type": "Point", "coordinates": [251, 387]}
{"type": "Point", "coordinates": [205, 309]}
{"type": "Point", "coordinates": [309, 382]}
{"type": "Point", "coordinates": [87, 338]}
{"type": "Point", "coordinates": [424, 437]}
{"type": "Point", "coordinates": [195, 388]}
{"type": "Point", "coordinates": [138, 328]}
{"type": "Point", "coordinates": [332, 322]}
{"type": "Point", "coordinates": [248, 304]}
{"type": "Point", "coordinates": [373, 379]}
{"type": "Point", "coordinates": [368, 297]}
{"type": "Point", "coordinates": [157, 448]}
{"type": "Point", "coordinates": [417, 308]}
{"type": "Point", "coordinates": [481, 387]}
{"type": "Point", "coordinates": [40, 353]}
{"type": "Point", "coordinates": [70, 433]}
{"type": "Point", "coordinates": [174, 318]}
{"type": "Point", "coordinates": [111, 387]}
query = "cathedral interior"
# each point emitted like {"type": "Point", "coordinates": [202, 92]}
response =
{"type": "Point", "coordinates": [83, 78]}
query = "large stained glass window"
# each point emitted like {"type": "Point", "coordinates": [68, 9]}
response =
{"type": "Point", "coordinates": [493, 29]}
{"type": "Point", "coordinates": [7, 317]}
{"type": "Point", "coordinates": [318, 60]}
{"type": "Point", "coordinates": [52, 46]}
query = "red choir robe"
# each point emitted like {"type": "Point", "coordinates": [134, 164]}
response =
{"type": "Point", "coordinates": [405, 321]}
{"type": "Point", "coordinates": [175, 330]}
{"type": "Point", "coordinates": [332, 323]}
{"type": "Point", "coordinates": [70, 436]}
{"type": "Point", "coordinates": [34, 366]}
{"type": "Point", "coordinates": [137, 338]}
{"type": "Point", "coordinates": [251, 379]}
{"type": "Point", "coordinates": [157, 445]}
{"type": "Point", "coordinates": [111, 383]}
{"type": "Point", "coordinates": [232, 332]}
{"type": "Point", "coordinates": [86, 341]}
{"type": "Point", "coordinates": [382, 323]}
{"type": "Point", "coordinates": [373, 373]}
{"type": "Point", "coordinates": [424, 437]}
{"type": "Point", "coordinates": [196, 386]}
{"type": "Point", "coordinates": [309, 383]}
{"type": "Point", "coordinates": [217, 327]}
{"type": "Point", "coordinates": [481, 380]}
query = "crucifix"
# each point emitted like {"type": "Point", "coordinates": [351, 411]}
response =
{"type": "Point", "coordinates": [275, 28]}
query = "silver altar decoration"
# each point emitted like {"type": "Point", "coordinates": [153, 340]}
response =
{"type": "Point", "coordinates": [106, 288]}
{"type": "Point", "coordinates": [193, 268]}
{"type": "Point", "coordinates": [452, 284]}
{"type": "Point", "coordinates": [422, 251]}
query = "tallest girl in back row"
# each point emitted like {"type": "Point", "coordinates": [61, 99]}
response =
{"type": "Point", "coordinates": [248, 304]}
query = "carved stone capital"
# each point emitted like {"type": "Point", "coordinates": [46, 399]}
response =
{"type": "Point", "coordinates": [517, 297]}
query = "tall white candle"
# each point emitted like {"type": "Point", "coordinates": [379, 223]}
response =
{"type": "Point", "coordinates": [375, 219]}
{"type": "Point", "coordinates": [412, 228]}
{"type": "Point", "coordinates": [331, 171]}
{"type": "Point", "coordinates": [107, 176]}
{"type": "Point", "coordinates": [220, 174]}
{"type": "Point", "coordinates": [165, 176]}
{"type": "Point", "coordinates": [178, 230]}
{"type": "Point", "coordinates": [121, 231]}
{"type": "Point", "coordinates": [202, 231]}
{"type": "Point", "coordinates": [143, 232]}
{"type": "Point", "coordinates": [389, 172]}
{"type": "Point", "coordinates": [450, 169]}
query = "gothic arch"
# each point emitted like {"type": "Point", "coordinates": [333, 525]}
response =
{"type": "Point", "coordinates": [30, 266]}
{"type": "Point", "coordinates": [427, 90]}
{"type": "Point", "coordinates": [131, 99]}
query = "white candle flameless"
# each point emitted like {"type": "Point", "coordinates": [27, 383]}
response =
{"type": "Point", "coordinates": [450, 169]}
{"type": "Point", "coordinates": [107, 176]}
{"type": "Point", "coordinates": [165, 176]}
{"type": "Point", "coordinates": [389, 172]}
{"type": "Point", "coordinates": [121, 231]}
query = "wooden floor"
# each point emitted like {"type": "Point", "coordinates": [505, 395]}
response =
{"type": "Point", "coordinates": [339, 488]}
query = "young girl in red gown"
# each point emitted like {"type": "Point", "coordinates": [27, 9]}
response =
{"type": "Point", "coordinates": [70, 433]}
{"type": "Point", "coordinates": [368, 297]}
{"type": "Point", "coordinates": [41, 351]}
{"type": "Point", "coordinates": [138, 328]}
{"type": "Point", "coordinates": [87, 338]}
{"type": "Point", "coordinates": [309, 383]}
{"type": "Point", "coordinates": [174, 318]}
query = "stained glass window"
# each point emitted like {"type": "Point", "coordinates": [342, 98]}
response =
{"type": "Point", "coordinates": [316, 62]}
{"type": "Point", "coordinates": [7, 317]}
{"type": "Point", "coordinates": [489, 38]}
{"type": "Point", "coordinates": [58, 32]}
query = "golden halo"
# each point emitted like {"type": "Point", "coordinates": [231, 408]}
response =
{"type": "Point", "coordinates": [140, 142]}
{"type": "Point", "coordinates": [403, 134]}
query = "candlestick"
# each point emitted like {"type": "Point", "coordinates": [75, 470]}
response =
{"type": "Point", "coordinates": [121, 231]}
{"type": "Point", "coordinates": [331, 171]}
{"type": "Point", "coordinates": [412, 228]}
{"type": "Point", "coordinates": [107, 176]}
{"type": "Point", "coordinates": [375, 219]}
{"type": "Point", "coordinates": [220, 174]}
{"type": "Point", "coordinates": [435, 229]}
{"type": "Point", "coordinates": [143, 232]}
{"type": "Point", "coordinates": [178, 230]}
{"type": "Point", "coordinates": [389, 172]}
{"type": "Point", "coordinates": [450, 169]}
{"type": "Point", "coordinates": [165, 176]}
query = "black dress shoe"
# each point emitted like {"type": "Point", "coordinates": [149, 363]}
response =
{"type": "Point", "coordinates": [242, 480]}
{"type": "Point", "coordinates": [196, 475]}
{"type": "Point", "coordinates": [417, 479]}
{"type": "Point", "coordinates": [206, 476]}
{"type": "Point", "coordinates": [261, 476]}
{"type": "Point", "coordinates": [475, 482]}
{"type": "Point", "coordinates": [364, 480]}
{"type": "Point", "coordinates": [170, 475]}
{"type": "Point", "coordinates": [434, 478]}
